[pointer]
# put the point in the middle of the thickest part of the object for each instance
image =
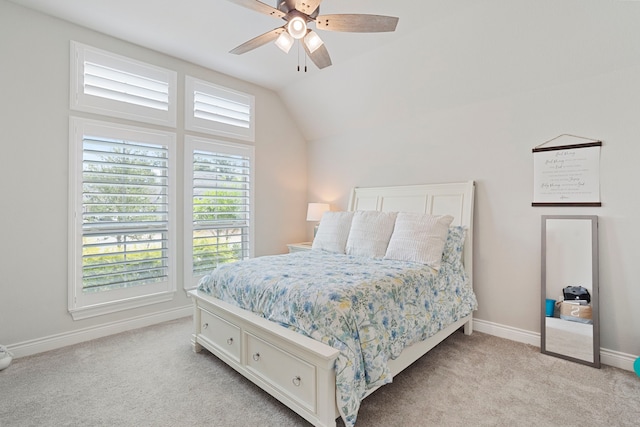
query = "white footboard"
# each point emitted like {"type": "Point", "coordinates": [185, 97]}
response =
{"type": "Point", "coordinates": [296, 370]}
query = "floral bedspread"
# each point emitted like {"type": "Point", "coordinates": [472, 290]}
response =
{"type": "Point", "coordinates": [369, 309]}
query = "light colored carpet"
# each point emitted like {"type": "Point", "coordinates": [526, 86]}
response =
{"type": "Point", "coordinates": [150, 377]}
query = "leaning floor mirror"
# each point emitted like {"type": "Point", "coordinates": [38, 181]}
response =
{"type": "Point", "coordinates": [570, 326]}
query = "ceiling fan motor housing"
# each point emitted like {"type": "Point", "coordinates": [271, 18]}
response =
{"type": "Point", "coordinates": [287, 6]}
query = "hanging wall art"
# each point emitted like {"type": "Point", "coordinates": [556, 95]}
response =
{"type": "Point", "coordinates": [566, 172]}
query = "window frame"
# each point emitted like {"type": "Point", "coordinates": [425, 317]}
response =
{"type": "Point", "coordinates": [82, 305]}
{"type": "Point", "coordinates": [196, 124]}
{"type": "Point", "coordinates": [81, 101]}
{"type": "Point", "coordinates": [193, 143]}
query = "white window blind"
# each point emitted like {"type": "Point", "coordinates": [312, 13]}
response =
{"type": "Point", "coordinates": [122, 246]}
{"type": "Point", "coordinates": [125, 222]}
{"type": "Point", "coordinates": [221, 110]}
{"type": "Point", "coordinates": [218, 110]}
{"type": "Point", "coordinates": [118, 85]}
{"type": "Point", "coordinates": [220, 208]}
{"type": "Point", "coordinates": [113, 85]}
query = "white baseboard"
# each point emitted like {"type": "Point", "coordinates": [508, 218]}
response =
{"type": "Point", "coordinates": [607, 357]}
{"type": "Point", "coordinates": [508, 332]}
{"type": "Point", "coordinates": [39, 345]}
{"type": "Point", "coordinates": [617, 359]}
{"type": "Point", "coordinates": [53, 342]}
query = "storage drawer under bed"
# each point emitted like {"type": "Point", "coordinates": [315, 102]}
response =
{"type": "Point", "coordinates": [223, 335]}
{"type": "Point", "coordinates": [293, 376]}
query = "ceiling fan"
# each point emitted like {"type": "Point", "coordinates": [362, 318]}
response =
{"type": "Point", "coordinates": [298, 14]}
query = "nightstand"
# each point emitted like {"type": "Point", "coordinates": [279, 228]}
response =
{"type": "Point", "coordinates": [298, 247]}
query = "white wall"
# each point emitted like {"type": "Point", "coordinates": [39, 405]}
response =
{"type": "Point", "coordinates": [466, 97]}
{"type": "Point", "coordinates": [34, 117]}
{"type": "Point", "coordinates": [466, 94]}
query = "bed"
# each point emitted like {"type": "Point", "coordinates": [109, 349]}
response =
{"type": "Point", "coordinates": [322, 367]}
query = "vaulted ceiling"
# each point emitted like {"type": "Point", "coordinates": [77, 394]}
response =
{"type": "Point", "coordinates": [443, 54]}
{"type": "Point", "coordinates": [204, 31]}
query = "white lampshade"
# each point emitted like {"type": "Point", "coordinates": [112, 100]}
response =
{"type": "Point", "coordinates": [297, 27]}
{"type": "Point", "coordinates": [284, 42]}
{"type": "Point", "coordinates": [312, 41]}
{"type": "Point", "coordinates": [315, 211]}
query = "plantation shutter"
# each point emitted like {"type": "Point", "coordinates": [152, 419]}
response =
{"type": "Point", "coordinates": [125, 218]}
{"type": "Point", "coordinates": [218, 110]}
{"type": "Point", "coordinates": [221, 110]}
{"type": "Point", "coordinates": [118, 85]}
{"type": "Point", "coordinates": [221, 209]}
{"type": "Point", "coordinates": [113, 85]}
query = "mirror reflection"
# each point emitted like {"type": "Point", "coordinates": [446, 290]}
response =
{"type": "Point", "coordinates": [569, 288]}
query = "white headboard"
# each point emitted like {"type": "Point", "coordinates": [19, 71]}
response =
{"type": "Point", "coordinates": [455, 199]}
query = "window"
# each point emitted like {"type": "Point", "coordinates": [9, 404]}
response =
{"type": "Point", "coordinates": [122, 196]}
{"type": "Point", "coordinates": [113, 85]}
{"type": "Point", "coordinates": [217, 110]}
{"type": "Point", "coordinates": [122, 223]}
{"type": "Point", "coordinates": [218, 205]}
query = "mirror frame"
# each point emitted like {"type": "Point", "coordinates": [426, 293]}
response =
{"type": "Point", "coordinates": [594, 291]}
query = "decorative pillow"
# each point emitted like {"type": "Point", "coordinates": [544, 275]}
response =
{"type": "Point", "coordinates": [452, 253]}
{"type": "Point", "coordinates": [419, 238]}
{"type": "Point", "coordinates": [370, 233]}
{"type": "Point", "coordinates": [333, 232]}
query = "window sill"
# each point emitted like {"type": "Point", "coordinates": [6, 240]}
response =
{"type": "Point", "coordinates": [121, 305]}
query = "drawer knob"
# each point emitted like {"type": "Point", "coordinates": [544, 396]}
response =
{"type": "Point", "coordinates": [256, 356]}
{"type": "Point", "coordinates": [205, 326]}
{"type": "Point", "coordinates": [296, 381]}
{"type": "Point", "coordinates": [230, 341]}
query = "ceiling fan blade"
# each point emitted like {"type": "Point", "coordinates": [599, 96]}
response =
{"type": "Point", "coordinates": [258, 6]}
{"type": "Point", "coordinates": [307, 6]}
{"type": "Point", "coordinates": [357, 23]}
{"type": "Point", "coordinates": [320, 56]}
{"type": "Point", "coordinates": [257, 41]}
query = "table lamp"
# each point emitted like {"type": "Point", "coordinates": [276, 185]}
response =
{"type": "Point", "coordinates": [314, 213]}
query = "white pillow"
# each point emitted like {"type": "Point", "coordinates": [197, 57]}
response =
{"type": "Point", "coordinates": [419, 238]}
{"type": "Point", "coordinates": [370, 233]}
{"type": "Point", "coordinates": [333, 232]}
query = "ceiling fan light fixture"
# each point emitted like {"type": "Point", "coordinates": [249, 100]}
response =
{"type": "Point", "coordinates": [312, 41]}
{"type": "Point", "coordinates": [298, 14]}
{"type": "Point", "coordinates": [284, 42]}
{"type": "Point", "coordinates": [297, 27]}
